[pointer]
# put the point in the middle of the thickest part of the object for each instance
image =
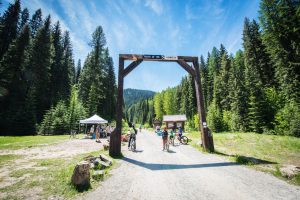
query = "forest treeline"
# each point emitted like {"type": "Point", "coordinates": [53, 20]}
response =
{"type": "Point", "coordinates": [41, 87]}
{"type": "Point", "coordinates": [257, 89]}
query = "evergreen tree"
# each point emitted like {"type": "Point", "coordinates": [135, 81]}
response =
{"type": "Point", "coordinates": [36, 22]}
{"type": "Point", "coordinates": [67, 69]}
{"type": "Point", "coordinates": [24, 19]}
{"type": "Point", "coordinates": [204, 81]}
{"type": "Point", "coordinates": [13, 106]}
{"type": "Point", "coordinates": [280, 22]}
{"type": "Point", "coordinates": [239, 94]}
{"type": "Point", "coordinates": [9, 26]}
{"type": "Point", "coordinates": [254, 84]}
{"type": "Point", "coordinates": [78, 71]}
{"type": "Point", "coordinates": [56, 70]}
{"type": "Point", "coordinates": [40, 66]}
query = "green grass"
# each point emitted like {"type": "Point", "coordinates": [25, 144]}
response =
{"type": "Point", "coordinates": [8, 158]}
{"type": "Point", "coordinates": [243, 148]}
{"type": "Point", "coordinates": [20, 142]}
{"type": "Point", "coordinates": [54, 179]}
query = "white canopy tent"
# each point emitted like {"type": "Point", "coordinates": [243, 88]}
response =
{"type": "Point", "coordinates": [95, 119]}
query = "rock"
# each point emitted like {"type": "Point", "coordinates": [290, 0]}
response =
{"type": "Point", "coordinates": [90, 158]}
{"type": "Point", "coordinates": [99, 164]}
{"type": "Point", "coordinates": [81, 175]}
{"type": "Point", "coordinates": [289, 171]}
{"type": "Point", "coordinates": [92, 165]}
{"type": "Point", "coordinates": [98, 175]}
{"type": "Point", "coordinates": [106, 147]}
{"type": "Point", "coordinates": [200, 143]}
{"type": "Point", "coordinates": [106, 159]}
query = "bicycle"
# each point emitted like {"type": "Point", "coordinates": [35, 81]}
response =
{"type": "Point", "coordinates": [183, 139]}
{"type": "Point", "coordinates": [133, 142]}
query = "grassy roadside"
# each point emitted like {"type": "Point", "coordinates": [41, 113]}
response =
{"type": "Point", "coordinates": [48, 177]}
{"type": "Point", "coordinates": [20, 142]}
{"type": "Point", "coordinates": [263, 152]}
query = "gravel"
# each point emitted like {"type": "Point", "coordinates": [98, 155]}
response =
{"type": "Point", "coordinates": [186, 173]}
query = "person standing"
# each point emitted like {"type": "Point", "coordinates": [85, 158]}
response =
{"type": "Point", "coordinates": [165, 137]}
{"type": "Point", "coordinates": [98, 130]}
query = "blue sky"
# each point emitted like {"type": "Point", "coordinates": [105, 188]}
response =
{"type": "Point", "coordinates": [166, 27]}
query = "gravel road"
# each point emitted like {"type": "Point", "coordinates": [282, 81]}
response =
{"type": "Point", "coordinates": [186, 173]}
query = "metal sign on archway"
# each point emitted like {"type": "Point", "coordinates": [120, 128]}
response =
{"type": "Point", "coordinates": [188, 63]}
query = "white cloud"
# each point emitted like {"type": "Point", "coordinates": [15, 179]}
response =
{"type": "Point", "coordinates": [155, 5]}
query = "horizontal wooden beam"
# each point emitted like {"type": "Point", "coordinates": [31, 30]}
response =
{"type": "Point", "coordinates": [131, 67]}
{"type": "Point", "coordinates": [187, 67]}
{"type": "Point", "coordinates": [161, 58]}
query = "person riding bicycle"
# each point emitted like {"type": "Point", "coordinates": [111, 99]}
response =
{"type": "Point", "coordinates": [133, 133]}
{"type": "Point", "coordinates": [164, 137]}
{"type": "Point", "coordinates": [180, 131]}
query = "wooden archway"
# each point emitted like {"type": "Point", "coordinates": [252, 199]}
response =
{"type": "Point", "coordinates": [183, 61]}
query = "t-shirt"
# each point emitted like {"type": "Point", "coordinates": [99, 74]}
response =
{"type": "Point", "coordinates": [164, 134]}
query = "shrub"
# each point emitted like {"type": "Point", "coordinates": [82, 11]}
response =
{"type": "Point", "coordinates": [287, 120]}
{"type": "Point", "coordinates": [214, 118]}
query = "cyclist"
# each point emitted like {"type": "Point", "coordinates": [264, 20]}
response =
{"type": "Point", "coordinates": [133, 133]}
{"type": "Point", "coordinates": [180, 131]}
{"type": "Point", "coordinates": [165, 137]}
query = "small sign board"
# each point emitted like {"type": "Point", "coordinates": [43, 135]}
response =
{"type": "Point", "coordinates": [159, 57]}
{"type": "Point", "coordinates": [204, 124]}
{"type": "Point", "coordinates": [154, 57]}
{"type": "Point", "coordinates": [170, 57]}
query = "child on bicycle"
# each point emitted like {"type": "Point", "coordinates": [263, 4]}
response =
{"type": "Point", "coordinates": [165, 137]}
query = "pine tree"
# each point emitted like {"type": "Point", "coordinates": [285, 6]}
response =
{"type": "Point", "coordinates": [36, 22]}
{"type": "Point", "coordinates": [56, 70]}
{"type": "Point", "coordinates": [239, 94]}
{"type": "Point", "coordinates": [12, 78]}
{"type": "Point", "coordinates": [40, 66]}
{"type": "Point", "coordinates": [254, 84]}
{"type": "Point", "coordinates": [204, 81]}
{"type": "Point", "coordinates": [67, 69]}
{"type": "Point", "coordinates": [24, 19]}
{"type": "Point", "coordinates": [78, 71]}
{"type": "Point", "coordinates": [9, 26]}
{"type": "Point", "coordinates": [280, 22]}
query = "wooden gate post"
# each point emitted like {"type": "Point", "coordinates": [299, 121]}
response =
{"type": "Point", "coordinates": [115, 138]}
{"type": "Point", "coordinates": [206, 136]}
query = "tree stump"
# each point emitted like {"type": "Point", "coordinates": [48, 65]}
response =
{"type": "Point", "coordinates": [81, 175]}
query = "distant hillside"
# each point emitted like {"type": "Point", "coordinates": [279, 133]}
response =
{"type": "Point", "coordinates": [132, 96]}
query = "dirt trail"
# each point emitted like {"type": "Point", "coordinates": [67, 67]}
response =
{"type": "Point", "coordinates": [186, 173]}
{"type": "Point", "coordinates": [64, 149]}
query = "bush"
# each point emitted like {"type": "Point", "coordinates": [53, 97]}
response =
{"type": "Point", "coordinates": [214, 118]}
{"type": "Point", "coordinates": [287, 120]}
{"type": "Point", "coordinates": [62, 118]}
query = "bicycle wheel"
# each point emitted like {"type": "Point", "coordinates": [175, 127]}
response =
{"type": "Point", "coordinates": [184, 140]}
{"type": "Point", "coordinates": [132, 145]}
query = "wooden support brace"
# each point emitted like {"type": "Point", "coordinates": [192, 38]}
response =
{"type": "Point", "coordinates": [131, 67]}
{"type": "Point", "coordinates": [187, 67]}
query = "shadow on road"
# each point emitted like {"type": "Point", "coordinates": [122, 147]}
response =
{"type": "Point", "coordinates": [247, 159]}
{"type": "Point", "coordinates": [156, 166]}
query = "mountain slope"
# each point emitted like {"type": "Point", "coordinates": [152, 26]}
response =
{"type": "Point", "coordinates": [132, 96]}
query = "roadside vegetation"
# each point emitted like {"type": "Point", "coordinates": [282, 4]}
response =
{"type": "Point", "coordinates": [30, 177]}
{"type": "Point", "coordinates": [263, 152]}
{"type": "Point", "coordinates": [15, 142]}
